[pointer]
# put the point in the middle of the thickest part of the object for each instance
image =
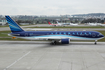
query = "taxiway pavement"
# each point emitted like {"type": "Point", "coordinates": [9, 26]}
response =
{"type": "Point", "coordinates": [56, 29]}
{"type": "Point", "coordinates": [60, 29]}
{"type": "Point", "coordinates": [40, 55]}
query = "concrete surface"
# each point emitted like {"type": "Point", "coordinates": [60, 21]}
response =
{"type": "Point", "coordinates": [55, 29]}
{"type": "Point", "coordinates": [40, 25]}
{"type": "Point", "coordinates": [39, 55]}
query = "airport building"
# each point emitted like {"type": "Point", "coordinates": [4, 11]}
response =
{"type": "Point", "coordinates": [3, 21]}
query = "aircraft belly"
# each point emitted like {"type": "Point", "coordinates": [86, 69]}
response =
{"type": "Point", "coordinates": [60, 37]}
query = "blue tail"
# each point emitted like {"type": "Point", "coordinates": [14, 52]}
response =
{"type": "Point", "coordinates": [13, 25]}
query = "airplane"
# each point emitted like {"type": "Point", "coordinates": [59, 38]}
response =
{"type": "Point", "coordinates": [63, 23]}
{"type": "Point", "coordinates": [54, 24]}
{"type": "Point", "coordinates": [101, 25]}
{"type": "Point", "coordinates": [73, 24]}
{"type": "Point", "coordinates": [92, 24]}
{"type": "Point", "coordinates": [55, 37]}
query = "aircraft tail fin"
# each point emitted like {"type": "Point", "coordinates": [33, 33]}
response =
{"type": "Point", "coordinates": [14, 27]}
{"type": "Point", "coordinates": [49, 23]}
{"type": "Point", "coordinates": [58, 22]}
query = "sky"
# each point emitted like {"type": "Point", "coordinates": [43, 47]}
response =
{"type": "Point", "coordinates": [51, 7]}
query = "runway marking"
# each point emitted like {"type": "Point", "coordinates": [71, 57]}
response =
{"type": "Point", "coordinates": [17, 60]}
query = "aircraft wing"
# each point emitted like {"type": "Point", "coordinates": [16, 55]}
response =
{"type": "Point", "coordinates": [51, 38]}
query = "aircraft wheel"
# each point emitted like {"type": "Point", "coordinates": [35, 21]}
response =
{"type": "Point", "coordinates": [95, 42]}
{"type": "Point", "coordinates": [53, 42]}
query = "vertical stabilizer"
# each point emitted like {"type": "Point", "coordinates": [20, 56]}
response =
{"type": "Point", "coordinates": [13, 25]}
{"type": "Point", "coordinates": [49, 23]}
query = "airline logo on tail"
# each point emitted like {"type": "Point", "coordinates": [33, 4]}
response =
{"type": "Point", "coordinates": [57, 22]}
{"type": "Point", "coordinates": [13, 26]}
{"type": "Point", "coordinates": [49, 22]}
{"type": "Point", "coordinates": [54, 24]}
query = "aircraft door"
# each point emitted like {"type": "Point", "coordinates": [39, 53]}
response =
{"type": "Point", "coordinates": [93, 35]}
{"type": "Point", "coordinates": [26, 34]}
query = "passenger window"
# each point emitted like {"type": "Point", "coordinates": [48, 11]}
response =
{"type": "Point", "coordinates": [64, 33]}
{"type": "Point", "coordinates": [81, 34]}
{"type": "Point", "coordinates": [68, 33]}
{"type": "Point", "coordinates": [73, 33]}
{"type": "Point", "coordinates": [89, 33]}
{"type": "Point", "coordinates": [77, 33]}
{"type": "Point", "coordinates": [86, 33]}
{"type": "Point", "coordinates": [60, 33]}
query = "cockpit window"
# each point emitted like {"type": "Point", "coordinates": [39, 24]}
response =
{"type": "Point", "coordinates": [100, 34]}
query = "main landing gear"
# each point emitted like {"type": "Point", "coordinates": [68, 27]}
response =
{"type": "Point", "coordinates": [53, 42]}
{"type": "Point", "coordinates": [95, 42]}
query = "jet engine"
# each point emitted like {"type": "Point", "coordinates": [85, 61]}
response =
{"type": "Point", "coordinates": [65, 41]}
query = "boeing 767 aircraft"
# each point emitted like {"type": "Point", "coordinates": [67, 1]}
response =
{"type": "Point", "coordinates": [62, 37]}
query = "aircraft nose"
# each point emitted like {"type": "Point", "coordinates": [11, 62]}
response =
{"type": "Point", "coordinates": [102, 35]}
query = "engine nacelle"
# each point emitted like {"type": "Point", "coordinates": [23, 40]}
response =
{"type": "Point", "coordinates": [65, 41]}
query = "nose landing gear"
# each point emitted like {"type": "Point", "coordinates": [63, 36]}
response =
{"type": "Point", "coordinates": [95, 42]}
